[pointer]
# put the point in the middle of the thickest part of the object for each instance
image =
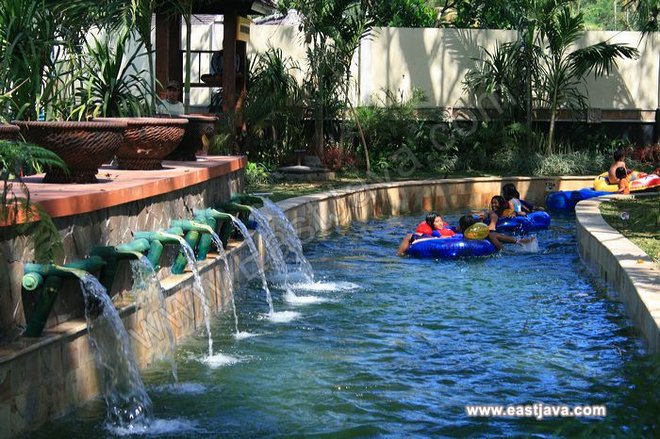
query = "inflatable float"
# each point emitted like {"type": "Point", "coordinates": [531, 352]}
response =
{"type": "Point", "coordinates": [450, 248]}
{"type": "Point", "coordinates": [538, 220]}
{"type": "Point", "coordinates": [639, 181]}
{"type": "Point", "coordinates": [565, 201]}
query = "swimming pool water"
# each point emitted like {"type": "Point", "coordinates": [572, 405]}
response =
{"type": "Point", "coordinates": [397, 347]}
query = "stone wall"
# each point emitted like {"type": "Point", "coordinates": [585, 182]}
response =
{"type": "Point", "coordinates": [317, 212]}
{"type": "Point", "coordinates": [110, 226]}
{"type": "Point", "coordinates": [624, 267]}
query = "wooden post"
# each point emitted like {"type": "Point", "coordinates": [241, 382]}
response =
{"type": "Point", "coordinates": [229, 62]}
{"type": "Point", "coordinates": [168, 50]}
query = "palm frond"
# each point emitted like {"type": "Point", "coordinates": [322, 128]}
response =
{"type": "Point", "coordinates": [600, 58]}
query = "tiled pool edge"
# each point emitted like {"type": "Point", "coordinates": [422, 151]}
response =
{"type": "Point", "coordinates": [624, 266]}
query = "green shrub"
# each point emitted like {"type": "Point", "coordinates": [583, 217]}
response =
{"type": "Point", "coordinates": [575, 163]}
{"type": "Point", "coordinates": [273, 109]}
{"type": "Point", "coordinates": [256, 174]}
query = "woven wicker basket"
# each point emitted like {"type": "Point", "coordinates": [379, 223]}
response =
{"type": "Point", "coordinates": [9, 132]}
{"type": "Point", "coordinates": [199, 125]}
{"type": "Point", "coordinates": [147, 140]}
{"type": "Point", "coordinates": [83, 146]}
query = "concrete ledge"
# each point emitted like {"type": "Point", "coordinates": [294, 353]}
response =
{"type": "Point", "coordinates": [624, 266]}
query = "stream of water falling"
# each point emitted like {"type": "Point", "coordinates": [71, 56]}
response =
{"type": "Point", "coordinates": [272, 244]}
{"type": "Point", "coordinates": [289, 237]}
{"type": "Point", "coordinates": [199, 287]}
{"type": "Point", "coordinates": [149, 297]}
{"type": "Point", "coordinates": [222, 254]}
{"type": "Point", "coordinates": [127, 402]}
{"type": "Point", "coordinates": [255, 255]}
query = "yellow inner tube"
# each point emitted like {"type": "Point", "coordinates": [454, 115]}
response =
{"type": "Point", "coordinates": [646, 181]}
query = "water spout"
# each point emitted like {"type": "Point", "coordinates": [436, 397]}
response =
{"type": "Point", "coordinates": [112, 255]}
{"type": "Point", "coordinates": [194, 231]}
{"type": "Point", "coordinates": [46, 281]}
{"type": "Point", "coordinates": [157, 239]}
{"type": "Point", "coordinates": [219, 221]}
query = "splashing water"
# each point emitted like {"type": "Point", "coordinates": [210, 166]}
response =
{"type": "Point", "coordinates": [128, 405]}
{"type": "Point", "coordinates": [149, 297]}
{"type": "Point", "coordinates": [289, 237]}
{"type": "Point", "coordinates": [274, 251]}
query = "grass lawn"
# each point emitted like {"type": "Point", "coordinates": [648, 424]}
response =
{"type": "Point", "coordinates": [289, 189]}
{"type": "Point", "coordinates": [642, 225]}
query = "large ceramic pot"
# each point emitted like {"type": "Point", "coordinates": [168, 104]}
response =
{"type": "Point", "coordinates": [199, 129]}
{"type": "Point", "coordinates": [83, 146]}
{"type": "Point", "coordinates": [147, 140]}
{"type": "Point", "coordinates": [9, 132]}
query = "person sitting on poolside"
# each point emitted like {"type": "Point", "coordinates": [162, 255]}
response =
{"type": "Point", "coordinates": [619, 162]}
{"type": "Point", "coordinates": [496, 238]}
{"type": "Point", "coordinates": [433, 225]}
{"type": "Point", "coordinates": [624, 181]}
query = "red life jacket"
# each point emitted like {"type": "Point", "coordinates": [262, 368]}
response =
{"type": "Point", "coordinates": [425, 229]}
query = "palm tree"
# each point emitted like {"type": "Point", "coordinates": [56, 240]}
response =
{"type": "Point", "coordinates": [564, 71]}
{"type": "Point", "coordinates": [332, 30]}
{"type": "Point", "coordinates": [541, 68]}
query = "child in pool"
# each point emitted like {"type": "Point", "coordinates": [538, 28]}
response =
{"type": "Point", "coordinates": [433, 225]}
{"type": "Point", "coordinates": [510, 192]}
{"type": "Point", "coordinates": [512, 197]}
{"type": "Point", "coordinates": [499, 208]}
{"type": "Point", "coordinates": [498, 239]}
{"type": "Point", "coordinates": [619, 162]}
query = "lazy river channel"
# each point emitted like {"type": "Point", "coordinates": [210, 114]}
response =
{"type": "Point", "coordinates": [397, 347]}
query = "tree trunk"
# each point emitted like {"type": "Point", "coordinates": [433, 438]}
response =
{"type": "Point", "coordinates": [367, 162]}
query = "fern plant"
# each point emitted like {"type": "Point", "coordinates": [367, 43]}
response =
{"type": "Point", "coordinates": [18, 215]}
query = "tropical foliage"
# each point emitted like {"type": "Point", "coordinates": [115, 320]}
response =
{"type": "Point", "coordinates": [332, 31]}
{"type": "Point", "coordinates": [554, 72]}
{"type": "Point", "coordinates": [274, 108]}
{"type": "Point", "coordinates": [16, 209]}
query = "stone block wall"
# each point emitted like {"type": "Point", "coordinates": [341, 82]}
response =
{"type": "Point", "coordinates": [112, 226]}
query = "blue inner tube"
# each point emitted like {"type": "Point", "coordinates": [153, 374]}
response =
{"type": "Point", "coordinates": [565, 201]}
{"type": "Point", "coordinates": [522, 224]}
{"type": "Point", "coordinates": [450, 248]}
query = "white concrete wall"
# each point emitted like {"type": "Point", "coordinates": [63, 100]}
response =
{"type": "Point", "coordinates": [436, 60]}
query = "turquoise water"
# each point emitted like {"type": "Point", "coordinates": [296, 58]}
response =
{"type": "Point", "coordinates": [396, 347]}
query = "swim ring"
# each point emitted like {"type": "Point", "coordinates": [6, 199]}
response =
{"type": "Point", "coordinates": [450, 248]}
{"type": "Point", "coordinates": [565, 201]}
{"type": "Point", "coordinates": [639, 181]}
{"type": "Point", "coordinates": [538, 220]}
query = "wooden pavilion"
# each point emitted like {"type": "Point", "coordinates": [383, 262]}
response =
{"type": "Point", "coordinates": [169, 64]}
